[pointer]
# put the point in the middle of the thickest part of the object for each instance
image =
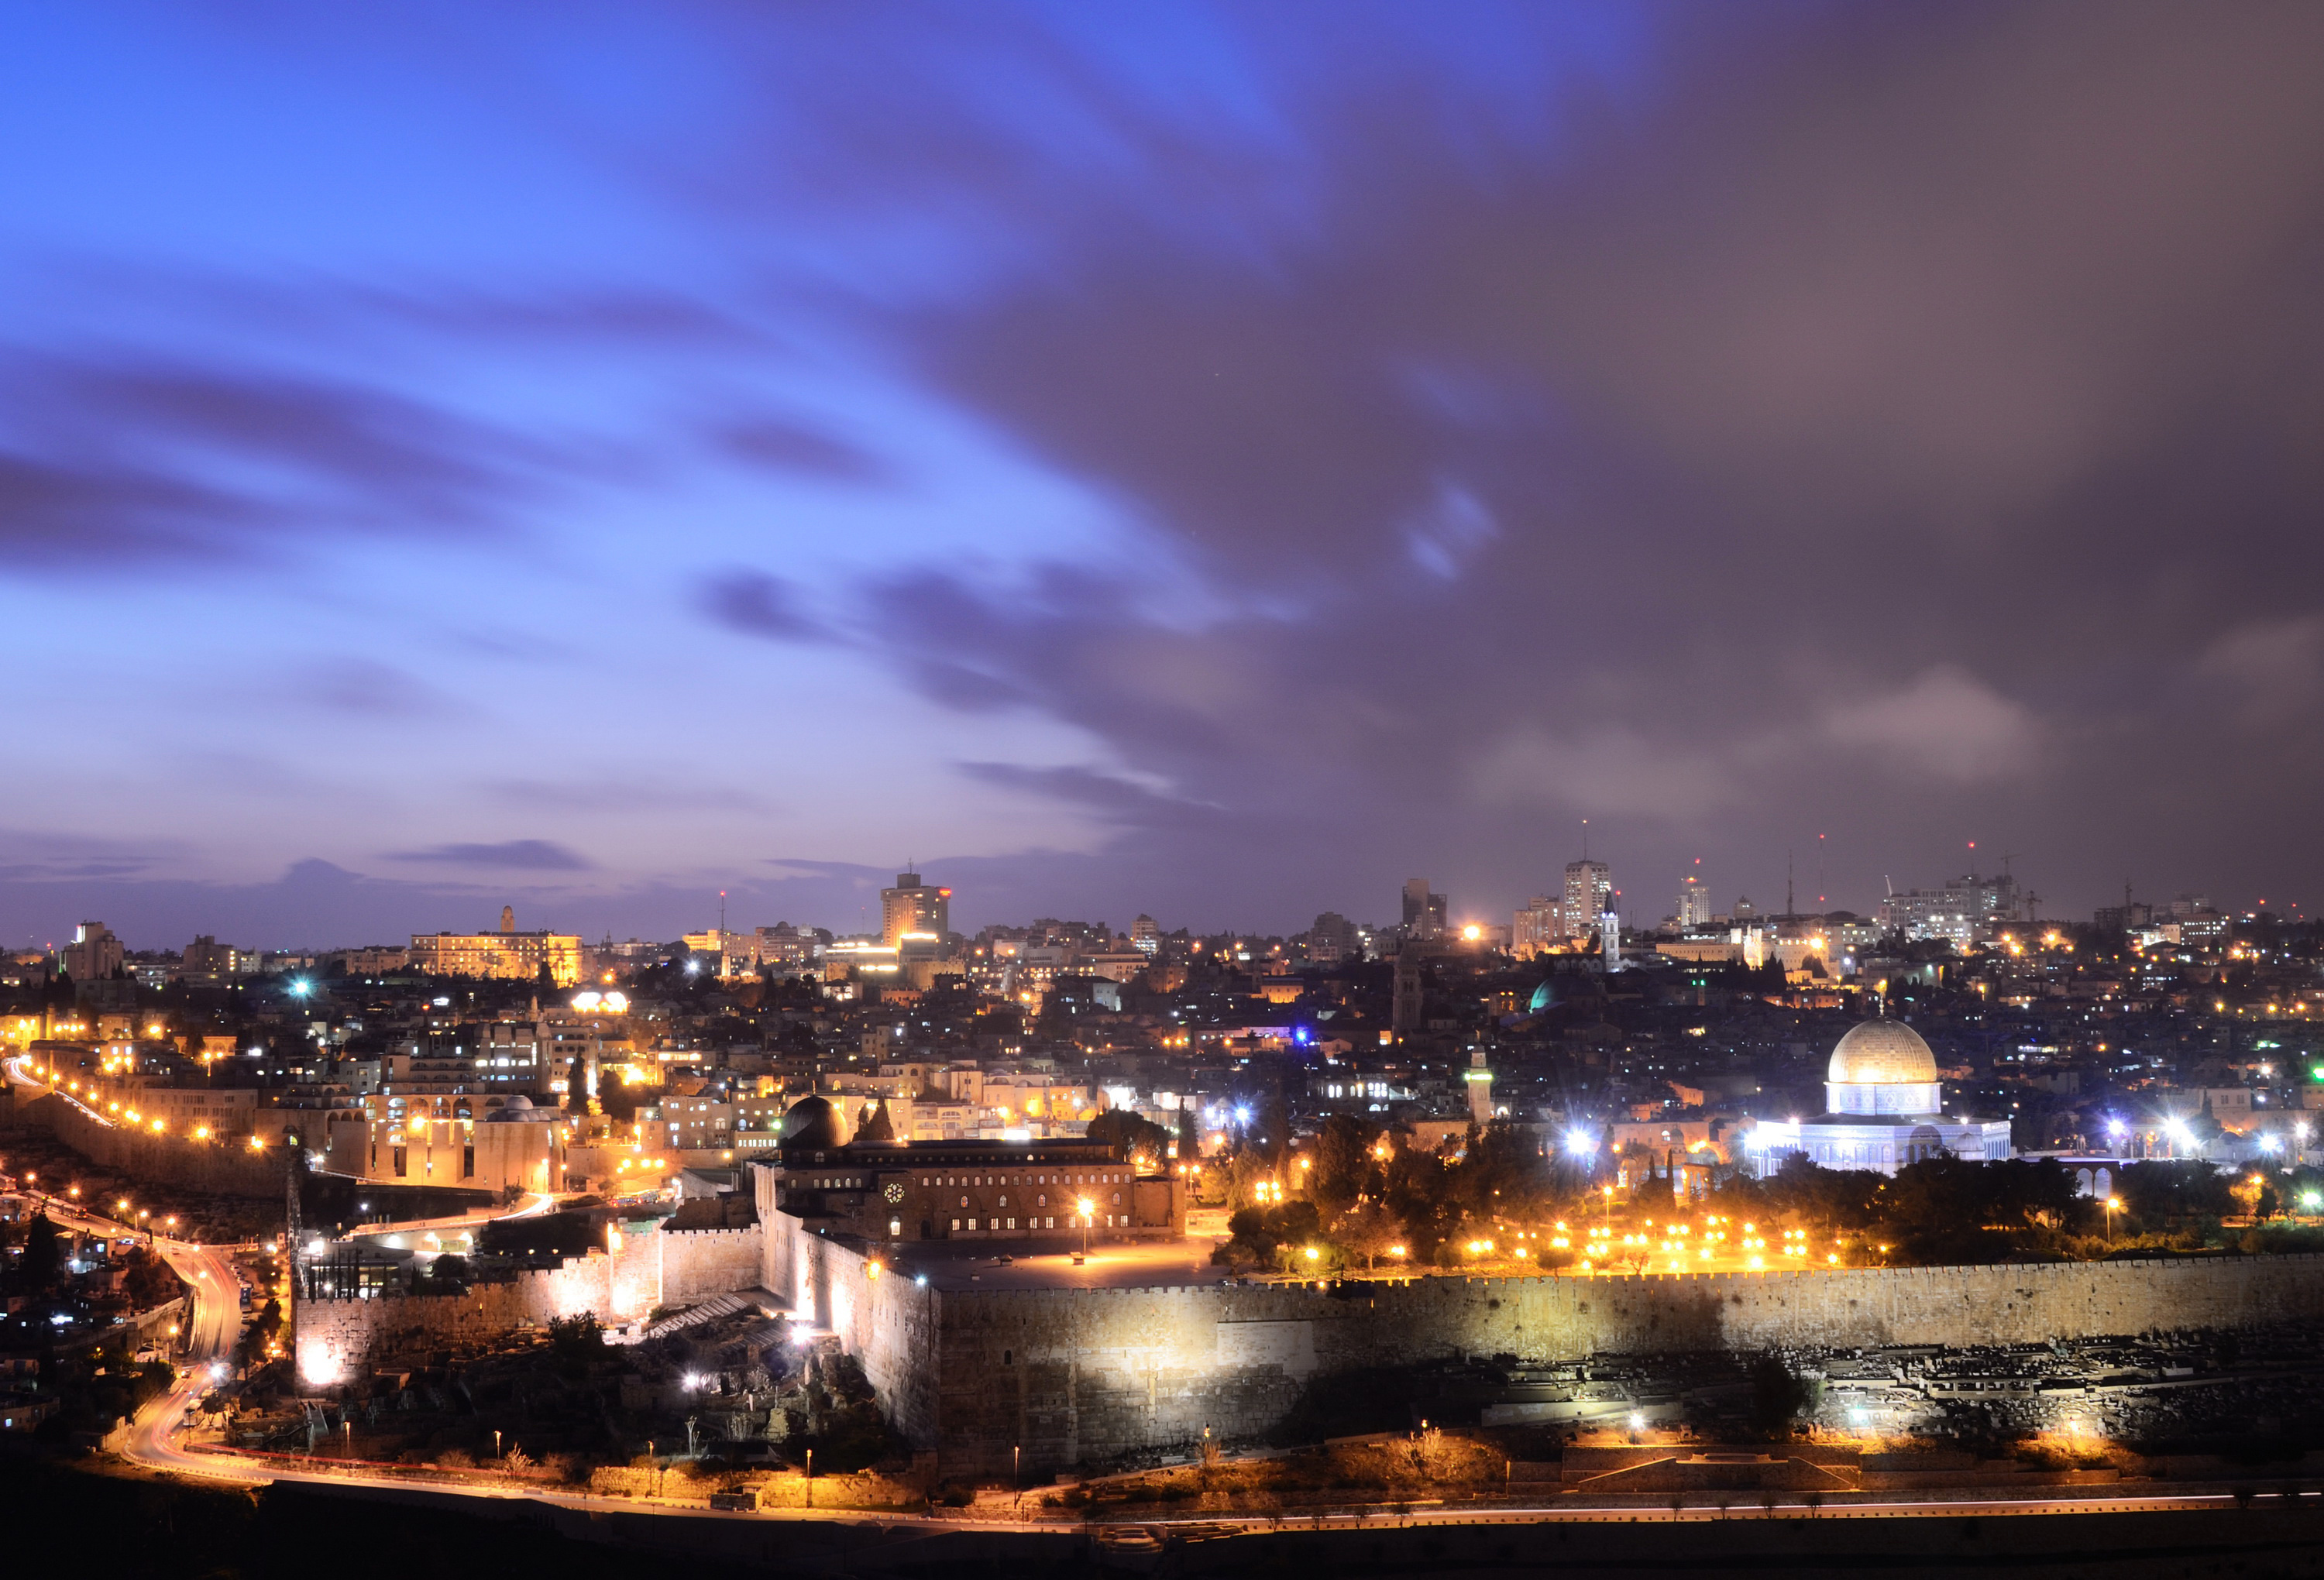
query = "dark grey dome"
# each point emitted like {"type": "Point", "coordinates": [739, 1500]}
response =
{"type": "Point", "coordinates": [810, 1122]}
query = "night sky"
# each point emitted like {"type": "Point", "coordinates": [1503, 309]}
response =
{"type": "Point", "coordinates": [1219, 462]}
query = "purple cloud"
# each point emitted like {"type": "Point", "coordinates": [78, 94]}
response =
{"type": "Point", "coordinates": [514, 855]}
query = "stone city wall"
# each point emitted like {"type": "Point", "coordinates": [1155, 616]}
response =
{"type": "Point", "coordinates": [886, 1322]}
{"type": "Point", "coordinates": [1083, 1377]}
{"type": "Point", "coordinates": [161, 1160]}
{"type": "Point", "coordinates": [335, 1339]}
{"type": "Point", "coordinates": [696, 1262]}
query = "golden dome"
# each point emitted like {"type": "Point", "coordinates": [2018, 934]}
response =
{"type": "Point", "coordinates": [1882, 1052]}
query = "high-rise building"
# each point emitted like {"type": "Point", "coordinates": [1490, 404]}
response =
{"type": "Point", "coordinates": [1965, 910]}
{"type": "Point", "coordinates": [94, 953]}
{"type": "Point", "coordinates": [1540, 924]}
{"type": "Point", "coordinates": [914, 907]}
{"type": "Point", "coordinates": [1146, 934]}
{"type": "Point", "coordinates": [1694, 909]}
{"type": "Point", "coordinates": [1423, 910]}
{"type": "Point", "coordinates": [1333, 939]}
{"type": "Point", "coordinates": [1589, 889]}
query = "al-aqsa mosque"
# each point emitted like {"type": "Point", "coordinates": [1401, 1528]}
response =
{"type": "Point", "coordinates": [1884, 1108]}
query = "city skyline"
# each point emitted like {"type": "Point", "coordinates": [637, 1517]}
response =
{"type": "Point", "coordinates": [1196, 464]}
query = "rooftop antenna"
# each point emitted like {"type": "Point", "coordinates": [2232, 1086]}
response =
{"type": "Point", "coordinates": [1585, 839]}
{"type": "Point", "coordinates": [721, 918]}
{"type": "Point", "coordinates": [1789, 909]}
{"type": "Point", "coordinates": [1822, 898]}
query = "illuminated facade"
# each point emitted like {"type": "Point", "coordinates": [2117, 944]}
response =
{"type": "Point", "coordinates": [1588, 890]}
{"type": "Point", "coordinates": [1883, 1102]}
{"type": "Point", "coordinates": [892, 1192]}
{"type": "Point", "coordinates": [499, 1144]}
{"type": "Point", "coordinates": [508, 954]}
{"type": "Point", "coordinates": [913, 909]}
{"type": "Point", "coordinates": [94, 953]}
{"type": "Point", "coordinates": [1539, 926]}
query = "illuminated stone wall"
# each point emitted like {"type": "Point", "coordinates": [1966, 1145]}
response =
{"type": "Point", "coordinates": [696, 1262]}
{"type": "Point", "coordinates": [161, 1160]}
{"type": "Point", "coordinates": [1083, 1377]}
{"type": "Point", "coordinates": [336, 1339]}
{"type": "Point", "coordinates": [887, 1323]}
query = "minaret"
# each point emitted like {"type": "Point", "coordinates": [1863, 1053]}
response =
{"type": "Point", "coordinates": [1480, 1089]}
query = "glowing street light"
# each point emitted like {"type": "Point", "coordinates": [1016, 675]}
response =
{"type": "Point", "coordinates": [2113, 1204]}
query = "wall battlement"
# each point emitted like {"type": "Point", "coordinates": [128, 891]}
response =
{"type": "Point", "coordinates": [335, 1339]}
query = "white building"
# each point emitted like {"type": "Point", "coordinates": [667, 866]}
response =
{"type": "Point", "coordinates": [1883, 1109]}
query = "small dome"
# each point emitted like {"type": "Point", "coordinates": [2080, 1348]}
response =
{"type": "Point", "coordinates": [810, 1122]}
{"type": "Point", "coordinates": [1882, 1052]}
{"type": "Point", "coordinates": [1543, 997]}
{"type": "Point", "coordinates": [519, 1111]}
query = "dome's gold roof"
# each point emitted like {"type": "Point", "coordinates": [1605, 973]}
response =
{"type": "Point", "coordinates": [1882, 1052]}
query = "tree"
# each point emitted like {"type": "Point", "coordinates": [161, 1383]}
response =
{"type": "Point", "coordinates": [1344, 1165]}
{"type": "Point", "coordinates": [1777, 1397]}
{"type": "Point", "coordinates": [1368, 1230]}
{"type": "Point", "coordinates": [1135, 1137]}
{"type": "Point", "coordinates": [43, 1257]}
{"type": "Point", "coordinates": [1260, 1234]}
{"type": "Point", "coordinates": [1418, 1192]}
{"type": "Point", "coordinates": [148, 1280]}
{"type": "Point", "coordinates": [2162, 1191]}
{"type": "Point", "coordinates": [576, 1338]}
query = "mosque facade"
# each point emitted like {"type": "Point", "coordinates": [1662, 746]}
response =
{"type": "Point", "coordinates": [1884, 1108]}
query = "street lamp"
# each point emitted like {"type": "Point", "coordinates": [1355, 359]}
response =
{"type": "Point", "coordinates": [2113, 1206]}
{"type": "Point", "coordinates": [1089, 1210]}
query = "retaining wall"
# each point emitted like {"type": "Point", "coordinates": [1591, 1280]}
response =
{"type": "Point", "coordinates": [1078, 1377]}
{"type": "Point", "coordinates": [335, 1339]}
{"type": "Point", "coordinates": [161, 1160]}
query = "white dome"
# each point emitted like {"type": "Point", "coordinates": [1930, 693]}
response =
{"type": "Point", "coordinates": [1882, 1052]}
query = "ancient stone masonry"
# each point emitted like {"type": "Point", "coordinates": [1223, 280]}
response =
{"type": "Point", "coordinates": [1082, 1377]}
{"type": "Point", "coordinates": [335, 1339]}
{"type": "Point", "coordinates": [694, 1262]}
{"type": "Point", "coordinates": [161, 1160]}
